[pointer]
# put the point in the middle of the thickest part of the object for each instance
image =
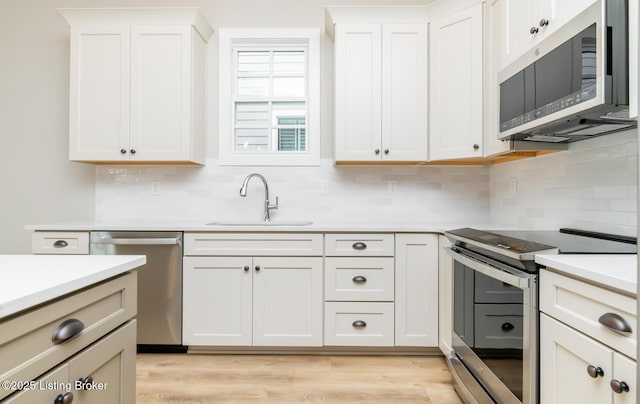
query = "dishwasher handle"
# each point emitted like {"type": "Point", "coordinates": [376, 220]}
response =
{"type": "Point", "coordinates": [137, 241]}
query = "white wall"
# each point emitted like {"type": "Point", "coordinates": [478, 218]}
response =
{"type": "Point", "coordinates": [591, 186]}
{"type": "Point", "coordinates": [39, 184]}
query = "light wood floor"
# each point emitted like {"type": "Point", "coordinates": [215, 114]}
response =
{"type": "Point", "coordinates": [190, 378]}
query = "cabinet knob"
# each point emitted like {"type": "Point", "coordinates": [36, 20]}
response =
{"type": "Point", "coordinates": [359, 279]}
{"type": "Point", "coordinates": [619, 387]}
{"type": "Point", "coordinates": [544, 22]}
{"type": "Point", "coordinates": [246, 268]}
{"type": "Point", "coordinates": [60, 244]}
{"type": "Point", "coordinates": [67, 398]}
{"type": "Point", "coordinates": [257, 268]}
{"type": "Point", "coordinates": [133, 151]}
{"type": "Point", "coordinates": [359, 324]}
{"type": "Point", "coordinates": [615, 323]}
{"type": "Point", "coordinates": [123, 151]}
{"type": "Point", "coordinates": [594, 371]}
{"type": "Point", "coordinates": [85, 384]}
{"type": "Point", "coordinates": [377, 151]}
{"type": "Point", "coordinates": [386, 151]}
{"type": "Point", "coordinates": [476, 146]}
{"type": "Point", "coordinates": [533, 30]}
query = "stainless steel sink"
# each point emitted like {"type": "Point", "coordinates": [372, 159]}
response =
{"type": "Point", "coordinates": [249, 224]}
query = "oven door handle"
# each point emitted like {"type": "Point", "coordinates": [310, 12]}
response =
{"type": "Point", "coordinates": [519, 280]}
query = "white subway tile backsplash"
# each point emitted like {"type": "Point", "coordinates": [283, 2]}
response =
{"type": "Point", "coordinates": [593, 186]}
{"type": "Point", "coordinates": [208, 193]}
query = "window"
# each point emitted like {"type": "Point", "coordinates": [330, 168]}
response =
{"type": "Point", "coordinates": [269, 97]}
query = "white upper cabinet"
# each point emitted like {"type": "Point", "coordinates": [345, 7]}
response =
{"type": "Point", "coordinates": [526, 22]}
{"type": "Point", "coordinates": [380, 83]}
{"type": "Point", "coordinates": [137, 85]}
{"type": "Point", "coordinates": [456, 85]}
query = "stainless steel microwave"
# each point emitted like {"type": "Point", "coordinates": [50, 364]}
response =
{"type": "Point", "coordinates": [574, 84]}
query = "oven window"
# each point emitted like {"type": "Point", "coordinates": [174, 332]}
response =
{"type": "Point", "coordinates": [488, 318]}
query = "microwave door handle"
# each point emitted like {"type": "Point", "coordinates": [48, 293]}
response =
{"type": "Point", "coordinates": [519, 281]}
{"type": "Point", "coordinates": [136, 241]}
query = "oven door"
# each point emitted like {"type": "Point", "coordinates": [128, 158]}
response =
{"type": "Point", "coordinates": [495, 327]}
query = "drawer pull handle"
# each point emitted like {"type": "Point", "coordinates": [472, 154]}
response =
{"type": "Point", "coordinates": [619, 387]}
{"type": "Point", "coordinates": [359, 279]}
{"type": "Point", "coordinates": [85, 384]}
{"type": "Point", "coordinates": [60, 244]}
{"type": "Point", "coordinates": [67, 398]}
{"type": "Point", "coordinates": [359, 324]}
{"type": "Point", "coordinates": [67, 330]}
{"type": "Point", "coordinates": [359, 245]}
{"type": "Point", "coordinates": [616, 323]}
{"type": "Point", "coordinates": [594, 371]}
{"type": "Point", "coordinates": [507, 327]}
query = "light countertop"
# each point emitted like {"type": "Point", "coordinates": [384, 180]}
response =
{"type": "Point", "coordinates": [617, 271]}
{"type": "Point", "coordinates": [318, 226]}
{"type": "Point", "coordinates": [28, 280]}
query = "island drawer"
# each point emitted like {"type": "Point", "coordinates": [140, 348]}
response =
{"type": "Point", "coordinates": [359, 279]}
{"type": "Point", "coordinates": [65, 242]}
{"type": "Point", "coordinates": [255, 244]}
{"type": "Point", "coordinates": [359, 245]}
{"type": "Point", "coordinates": [581, 305]}
{"type": "Point", "coordinates": [359, 324]}
{"type": "Point", "coordinates": [27, 348]}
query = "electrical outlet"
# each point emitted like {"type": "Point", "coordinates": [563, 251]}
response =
{"type": "Point", "coordinates": [513, 185]}
{"type": "Point", "coordinates": [324, 187]}
{"type": "Point", "coordinates": [392, 187]}
{"type": "Point", "coordinates": [155, 187]}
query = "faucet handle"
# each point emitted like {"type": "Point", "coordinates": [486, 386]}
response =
{"type": "Point", "coordinates": [270, 206]}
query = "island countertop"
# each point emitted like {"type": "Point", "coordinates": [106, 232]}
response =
{"type": "Point", "coordinates": [29, 280]}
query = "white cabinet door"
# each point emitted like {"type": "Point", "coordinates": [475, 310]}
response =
{"type": "Point", "coordinates": [287, 301]}
{"type": "Point", "coordinates": [455, 85]}
{"type": "Point", "coordinates": [624, 371]}
{"type": "Point", "coordinates": [110, 365]}
{"type": "Point", "coordinates": [404, 92]}
{"type": "Point", "coordinates": [416, 304]}
{"type": "Point", "coordinates": [380, 92]}
{"type": "Point", "coordinates": [358, 94]}
{"type": "Point", "coordinates": [160, 92]}
{"type": "Point", "coordinates": [493, 45]}
{"type": "Point", "coordinates": [217, 301]}
{"type": "Point", "coordinates": [565, 356]}
{"type": "Point", "coordinates": [99, 93]}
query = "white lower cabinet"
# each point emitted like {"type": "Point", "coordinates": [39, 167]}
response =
{"type": "Point", "coordinates": [416, 303]}
{"type": "Point", "coordinates": [581, 360]}
{"type": "Point", "coordinates": [251, 300]}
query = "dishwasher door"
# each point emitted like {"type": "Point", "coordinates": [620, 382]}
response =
{"type": "Point", "coordinates": [159, 283]}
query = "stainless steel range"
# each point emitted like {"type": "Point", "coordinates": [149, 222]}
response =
{"type": "Point", "coordinates": [495, 306]}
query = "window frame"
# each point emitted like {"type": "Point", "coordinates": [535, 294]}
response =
{"type": "Point", "coordinates": [230, 39]}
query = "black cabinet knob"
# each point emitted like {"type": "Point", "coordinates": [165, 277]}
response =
{"type": "Point", "coordinates": [619, 387]}
{"type": "Point", "coordinates": [595, 371]}
{"type": "Point", "coordinates": [533, 30]}
{"type": "Point", "coordinates": [133, 151]}
{"type": "Point", "coordinates": [246, 268]}
{"type": "Point", "coordinates": [476, 146]}
{"type": "Point", "coordinates": [67, 398]}
{"type": "Point", "coordinates": [386, 151]}
{"type": "Point", "coordinates": [257, 268]}
{"type": "Point", "coordinates": [123, 151]}
{"type": "Point", "coordinates": [544, 22]}
{"type": "Point", "coordinates": [377, 151]}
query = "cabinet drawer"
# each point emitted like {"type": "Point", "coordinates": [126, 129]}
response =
{"type": "Point", "coordinates": [262, 244]}
{"type": "Point", "coordinates": [580, 305]}
{"type": "Point", "coordinates": [359, 279]}
{"type": "Point", "coordinates": [47, 242]}
{"type": "Point", "coordinates": [498, 326]}
{"type": "Point", "coordinates": [359, 245]}
{"type": "Point", "coordinates": [26, 345]}
{"type": "Point", "coordinates": [359, 324]}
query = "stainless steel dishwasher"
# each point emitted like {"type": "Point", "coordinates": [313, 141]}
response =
{"type": "Point", "coordinates": [159, 284]}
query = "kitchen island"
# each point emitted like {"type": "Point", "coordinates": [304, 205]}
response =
{"type": "Point", "coordinates": [68, 328]}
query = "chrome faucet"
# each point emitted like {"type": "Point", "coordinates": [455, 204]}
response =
{"type": "Point", "coordinates": [267, 205]}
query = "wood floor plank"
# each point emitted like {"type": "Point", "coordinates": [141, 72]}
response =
{"type": "Point", "coordinates": [192, 378]}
